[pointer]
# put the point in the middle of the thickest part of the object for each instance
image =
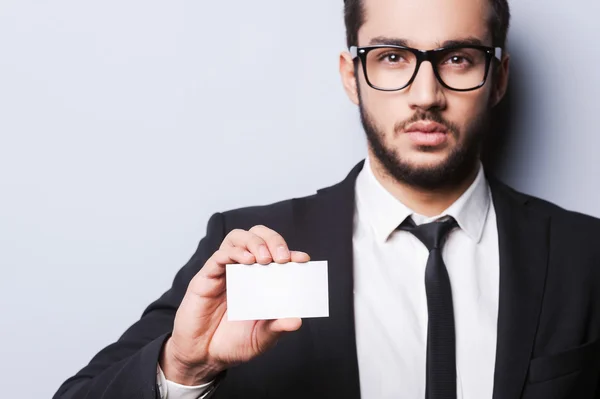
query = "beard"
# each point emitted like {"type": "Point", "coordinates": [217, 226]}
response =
{"type": "Point", "coordinates": [457, 167]}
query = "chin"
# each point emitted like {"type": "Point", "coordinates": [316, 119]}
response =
{"type": "Point", "coordinates": [424, 159]}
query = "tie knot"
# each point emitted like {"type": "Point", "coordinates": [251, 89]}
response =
{"type": "Point", "coordinates": [433, 234]}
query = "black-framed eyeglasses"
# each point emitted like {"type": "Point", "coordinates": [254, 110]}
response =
{"type": "Point", "coordinates": [458, 68]}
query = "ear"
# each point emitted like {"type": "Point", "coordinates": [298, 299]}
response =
{"type": "Point", "coordinates": [348, 76]}
{"type": "Point", "coordinates": [501, 80]}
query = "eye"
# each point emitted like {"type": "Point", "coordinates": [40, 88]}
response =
{"type": "Point", "coordinates": [391, 58]}
{"type": "Point", "coordinates": [458, 60]}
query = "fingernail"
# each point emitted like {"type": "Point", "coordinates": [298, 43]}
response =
{"type": "Point", "coordinates": [264, 252]}
{"type": "Point", "coordinates": [283, 253]}
{"type": "Point", "coordinates": [248, 255]}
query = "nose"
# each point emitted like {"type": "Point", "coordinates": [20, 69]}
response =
{"type": "Point", "coordinates": [425, 92]}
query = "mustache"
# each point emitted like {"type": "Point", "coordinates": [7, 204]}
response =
{"type": "Point", "coordinates": [427, 116]}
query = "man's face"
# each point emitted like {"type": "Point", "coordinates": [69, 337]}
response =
{"type": "Point", "coordinates": [399, 124]}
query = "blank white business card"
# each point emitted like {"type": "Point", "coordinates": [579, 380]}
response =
{"type": "Point", "coordinates": [266, 292]}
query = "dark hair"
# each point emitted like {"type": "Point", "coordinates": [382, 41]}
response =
{"type": "Point", "coordinates": [354, 17]}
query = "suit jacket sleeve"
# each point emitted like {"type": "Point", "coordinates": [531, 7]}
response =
{"type": "Point", "coordinates": [127, 368]}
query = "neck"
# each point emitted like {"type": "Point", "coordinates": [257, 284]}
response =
{"type": "Point", "coordinates": [428, 203]}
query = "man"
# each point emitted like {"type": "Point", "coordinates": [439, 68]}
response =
{"type": "Point", "coordinates": [443, 283]}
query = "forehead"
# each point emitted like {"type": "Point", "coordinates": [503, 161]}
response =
{"type": "Point", "coordinates": [426, 24]}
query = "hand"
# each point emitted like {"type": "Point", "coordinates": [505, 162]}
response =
{"type": "Point", "coordinates": [203, 342]}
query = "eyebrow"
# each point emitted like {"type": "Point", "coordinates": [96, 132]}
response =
{"type": "Point", "coordinates": [394, 41]}
{"type": "Point", "coordinates": [468, 41]}
{"type": "Point", "coordinates": [389, 40]}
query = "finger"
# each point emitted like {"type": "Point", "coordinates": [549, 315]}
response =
{"type": "Point", "coordinates": [277, 246]}
{"type": "Point", "coordinates": [215, 266]}
{"type": "Point", "coordinates": [250, 241]}
{"type": "Point", "coordinates": [300, 257]}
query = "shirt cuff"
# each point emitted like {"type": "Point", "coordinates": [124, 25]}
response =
{"type": "Point", "coordinates": [171, 390]}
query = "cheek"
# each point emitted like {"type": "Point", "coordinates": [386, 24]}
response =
{"type": "Point", "coordinates": [385, 109]}
{"type": "Point", "coordinates": [465, 108]}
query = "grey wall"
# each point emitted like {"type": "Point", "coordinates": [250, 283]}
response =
{"type": "Point", "coordinates": [125, 124]}
{"type": "Point", "coordinates": [553, 108]}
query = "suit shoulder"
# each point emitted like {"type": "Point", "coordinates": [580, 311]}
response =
{"type": "Point", "coordinates": [569, 232]}
{"type": "Point", "coordinates": [278, 215]}
{"type": "Point", "coordinates": [563, 217]}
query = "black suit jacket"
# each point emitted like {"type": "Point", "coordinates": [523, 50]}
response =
{"type": "Point", "coordinates": [548, 323]}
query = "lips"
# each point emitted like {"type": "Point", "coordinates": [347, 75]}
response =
{"type": "Point", "coordinates": [428, 134]}
{"type": "Point", "coordinates": [426, 127]}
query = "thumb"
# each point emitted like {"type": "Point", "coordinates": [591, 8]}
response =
{"type": "Point", "coordinates": [271, 330]}
{"type": "Point", "coordinates": [284, 325]}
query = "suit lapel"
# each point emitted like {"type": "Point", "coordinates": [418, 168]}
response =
{"type": "Point", "coordinates": [324, 230]}
{"type": "Point", "coordinates": [523, 243]}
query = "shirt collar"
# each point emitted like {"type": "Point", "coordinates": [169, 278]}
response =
{"type": "Point", "coordinates": [376, 206]}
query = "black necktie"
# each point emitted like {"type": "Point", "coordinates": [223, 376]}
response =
{"type": "Point", "coordinates": [441, 341]}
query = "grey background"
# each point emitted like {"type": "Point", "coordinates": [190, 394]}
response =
{"type": "Point", "coordinates": [125, 124]}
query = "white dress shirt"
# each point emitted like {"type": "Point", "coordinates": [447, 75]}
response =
{"type": "Point", "coordinates": [389, 291]}
{"type": "Point", "coordinates": [171, 390]}
{"type": "Point", "coordinates": [390, 303]}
